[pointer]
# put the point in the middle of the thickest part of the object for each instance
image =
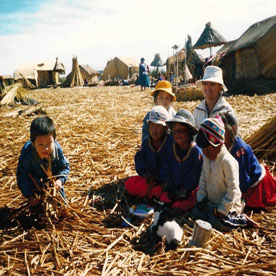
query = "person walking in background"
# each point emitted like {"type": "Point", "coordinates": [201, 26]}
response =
{"type": "Point", "coordinates": [143, 74]}
{"type": "Point", "coordinates": [212, 86]}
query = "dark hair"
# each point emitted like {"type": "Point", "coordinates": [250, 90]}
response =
{"type": "Point", "coordinates": [156, 93]}
{"type": "Point", "coordinates": [229, 121]}
{"type": "Point", "coordinates": [42, 126]}
{"type": "Point", "coordinates": [201, 140]}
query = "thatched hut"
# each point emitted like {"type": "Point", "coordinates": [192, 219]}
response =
{"type": "Point", "coordinates": [253, 54]}
{"type": "Point", "coordinates": [88, 73]}
{"type": "Point", "coordinates": [121, 68]}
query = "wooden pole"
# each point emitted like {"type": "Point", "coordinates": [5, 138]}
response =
{"type": "Point", "coordinates": [201, 233]}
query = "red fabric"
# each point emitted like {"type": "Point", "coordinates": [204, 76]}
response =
{"type": "Point", "coordinates": [137, 186]}
{"type": "Point", "coordinates": [184, 205]}
{"type": "Point", "coordinates": [264, 194]}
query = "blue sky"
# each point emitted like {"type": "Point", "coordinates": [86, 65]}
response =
{"type": "Point", "coordinates": [35, 31]}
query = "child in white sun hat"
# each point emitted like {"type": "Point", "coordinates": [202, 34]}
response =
{"type": "Point", "coordinates": [212, 86]}
{"type": "Point", "coordinates": [150, 157]}
{"type": "Point", "coordinates": [162, 95]}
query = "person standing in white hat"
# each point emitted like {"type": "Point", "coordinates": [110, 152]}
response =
{"type": "Point", "coordinates": [212, 86]}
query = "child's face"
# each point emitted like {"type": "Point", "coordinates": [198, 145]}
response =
{"type": "Point", "coordinates": [156, 131]}
{"type": "Point", "coordinates": [211, 152]}
{"type": "Point", "coordinates": [181, 135]}
{"type": "Point", "coordinates": [164, 99]}
{"type": "Point", "coordinates": [211, 90]}
{"type": "Point", "coordinates": [44, 145]}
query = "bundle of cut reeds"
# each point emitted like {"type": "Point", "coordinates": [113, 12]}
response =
{"type": "Point", "coordinates": [263, 141]}
{"type": "Point", "coordinates": [75, 77]}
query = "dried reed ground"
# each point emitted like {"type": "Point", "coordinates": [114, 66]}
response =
{"type": "Point", "coordinates": [99, 130]}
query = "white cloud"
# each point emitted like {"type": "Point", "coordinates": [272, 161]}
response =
{"type": "Point", "coordinates": [97, 31]}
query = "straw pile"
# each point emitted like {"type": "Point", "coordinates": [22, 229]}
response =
{"type": "Point", "coordinates": [188, 93]}
{"type": "Point", "coordinates": [75, 77]}
{"type": "Point", "coordinates": [263, 141]}
{"type": "Point", "coordinates": [99, 129]}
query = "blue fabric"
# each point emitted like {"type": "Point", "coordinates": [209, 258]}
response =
{"type": "Point", "coordinates": [185, 173]}
{"type": "Point", "coordinates": [143, 75]}
{"type": "Point", "coordinates": [29, 162]}
{"type": "Point", "coordinates": [250, 169]}
{"type": "Point", "coordinates": [149, 162]}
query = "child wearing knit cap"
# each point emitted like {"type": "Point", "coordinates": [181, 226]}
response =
{"type": "Point", "coordinates": [183, 163]}
{"type": "Point", "coordinates": [150, 157]}
{"type": "Point", "coordinates": [257, 185]}
{"type": "Point", "coordinates": [219, 195]}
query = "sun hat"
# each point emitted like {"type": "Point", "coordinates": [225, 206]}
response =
{"type": "Point", "coordinates": [214, 74]}
{"type": "Point", "coordinates": [228, 117]}
{"type": "Point", "coordinates": [165, 86]}
{"type": "Point", "coordinates": [211, 131]}
{"type": "Point", "coordinates": [158, 115]}
{"type": "Point", "coordinates": [183, 116]}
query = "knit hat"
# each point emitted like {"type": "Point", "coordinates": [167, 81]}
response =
{"type": "Point", "coordinates": [183, 116]}
{"type": "Point", "coordinates": [213, 74]}
{"type": "Point", "coordinates": [211, 131]}
{"type": "Point", "coordinates": [158, 115]}
{"type": "Point", "coordinates": [164, 86]}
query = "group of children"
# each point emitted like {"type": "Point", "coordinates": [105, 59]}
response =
{"type": "Point", "coordinates": [190, 161]}
{"type": "Point", "coordinates": [197, 161]}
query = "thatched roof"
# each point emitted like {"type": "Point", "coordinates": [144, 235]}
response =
{"type": "Point", "coordinates": [209, 38]}
{"type": "Point", "coordinates": [59, 67]}
{"type": "Point", "coordinates": [89, 70]}
{"type": "Point", "coordinates": [157, 61]}
{"type": "Point", "coordinates": [254, 33]}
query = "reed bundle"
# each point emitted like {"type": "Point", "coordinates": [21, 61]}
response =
{"type": "Point", "coordinates": [99, 129]}
{"type": "Point", "coordinates": [263, 141]}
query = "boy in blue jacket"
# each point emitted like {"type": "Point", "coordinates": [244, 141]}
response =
{"type": "Point", "coordinates": [41, 152]}
{"type": "Point", "coordinates": [151, 156]}
{"type": "Point", "coordinates": [183, 164]}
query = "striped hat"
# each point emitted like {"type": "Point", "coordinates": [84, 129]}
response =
{"type": "Point", "coordinates": [213, 130]}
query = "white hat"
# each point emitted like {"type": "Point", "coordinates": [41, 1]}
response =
{"type": "Point", "coordinates": [158, 115]}
{"type": "Point", "coordinates": [214, 74]}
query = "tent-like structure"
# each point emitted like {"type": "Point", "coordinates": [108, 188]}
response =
{"type": "Point", "coordinates": [40, 74]}
{"type": "Point", "coordinates": [121, 68]}
{"type": "Point", "coordinates": [252, 55]}
{"type": "Point", "coordinates": [209, 38]}
{"type": "Point", "coordinates": [88, 73]}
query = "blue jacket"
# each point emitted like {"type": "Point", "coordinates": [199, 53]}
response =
{"type": "Point", "coordinates": [29, 162]}
{"type": "Point", "coordinates": [149, 161]}
{"type": "Point", "coordinates": [183, 173]}
{"type": "Point", "coordinates": [250, 169]}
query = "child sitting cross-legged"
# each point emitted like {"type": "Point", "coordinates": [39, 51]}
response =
{"type": "Point", "coordinates": [183, 164]}
{"type": "Point", "coordinates": [257, 185]}
{"type": "Point", "coordinates": [219, 195]}
{"type": "Point", "coordinates": [150, 157]}
{"type": "Point", "coordinates": [40, 156]}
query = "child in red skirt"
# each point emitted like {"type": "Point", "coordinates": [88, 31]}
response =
{"type": "Point", "coordinates": [150, 158]}
{"type": "Point", "coordinates": [183, 164]}
{"type": "Point", "coordinates": [257, 185]}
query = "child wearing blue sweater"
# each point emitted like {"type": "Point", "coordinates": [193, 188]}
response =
{"type": "Point", "coordinates": [41, 153]}
{"type": "Point", "coordinates": [257, 185]}
{"type": "Point", "coordinates": [183, 164]}
{"type": "Point", "coordinates": [150, 157]}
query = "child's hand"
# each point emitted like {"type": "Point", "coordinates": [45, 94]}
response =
{"type": "Point", "coordinates": [58, 184]}
{"type": "Point", "coordinates": [33, 201]}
